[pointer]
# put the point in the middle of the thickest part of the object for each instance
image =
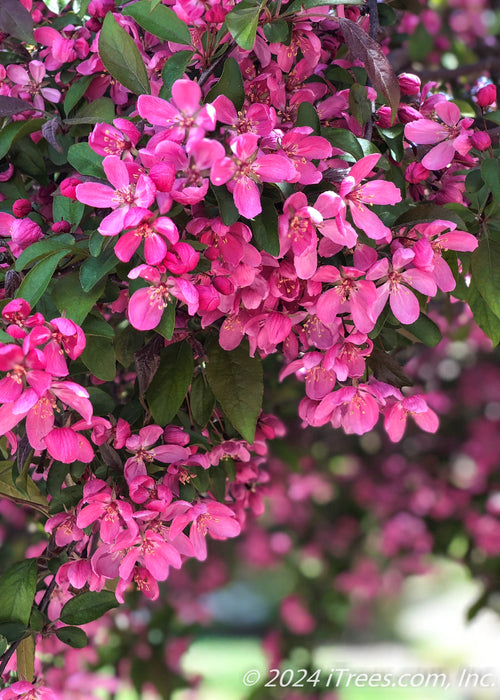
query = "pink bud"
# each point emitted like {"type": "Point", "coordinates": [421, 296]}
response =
{"type": "Point", "coordinates": [415, 173]}
{"type": "Point", "coordinates": [68, 187]}
{"type": "Point", "coordinates": [163, 175]}
{"type": "Point", "coordinates": [407, 114]}
{"type": "Point", "coordinates": [384, 117]}
{"type": "Point", "coordinates": [481, 140]}
{"type": "Point", "coordinates": [486, 95]}
{"type": "Point", "coordinates": [409, 84]}
{"type": "Point", "coordinates": [223, 285]}
{"type": "Point", "coordinates": [61, 227]}
{"type": "Point", "coordinates": [21, 207]}
{"type": "Point", "coordinates": [24, 232]}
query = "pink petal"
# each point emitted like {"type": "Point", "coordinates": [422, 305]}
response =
{"type": "Point", "coordinates": [439, 156]}
{"type": "Point", "coordinates": [145, 309]}
{"type": "Point", "coordinates": [187, 95]}
{"type": "Point", "coordinates": [448, 112]}
{"type": "Point", "coordinates": [247, 197]}
{"type": "Point", "coordinates": [404, 304]}
{"type": "Point", "coordinates": [116, 172]}
{"type": "Point", "coordinates": [95, 194]}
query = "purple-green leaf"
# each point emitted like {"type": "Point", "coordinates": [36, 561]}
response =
{"type": "Point", "coordinates": [378, 68]}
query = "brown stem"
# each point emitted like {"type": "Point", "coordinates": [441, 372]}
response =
{"type": "Point", "coordinates": [374, 19]}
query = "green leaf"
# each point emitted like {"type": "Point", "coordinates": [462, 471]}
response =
{"type": "Point", "coordinates": [87, 607]}
{"type": "Point", "coordinates": [25, 658]}
{"type": "Point", "coordinates": [100, 110]}
{"type": "Point", "coordinates": [265, 228]}
{"type": "Point", "coordinates": [15, 131]}
{"type": "Point", "coordinates": [17, 590]}
{"type": "Point", "coordinates": [3, 645]}
{"type": "Point", "coordinates": [218, 479]}
{"type": "Point", "coordinates": [236, 380]}
{"type": "Point", "coordinates": [426, 211]}
{"type": "Point", "coordinates": [75, 93]}
{"type": "Point", "coordinates": [307, 116]}
{"type": "Point", "coordinates": [229, 84]}
{"type": "Point", "coordinates": [121, 57]}
{"type": "Point", "coordinates": [393, 136]}
{"type": "Point", "coordinates": [425, 330]}
{"type": "Point", "coordinates": [71, 300]}
{"type": "Point", "coordinates": [86, 161]}
{"type": "Point", "coordinates": [99, 354]}
{"type": "Point", "coordinates": [160, 21]}
{"type": "Point", "coordinates": [66, 209]}
{"type": "Point", "coordinates": [483, 315]}
{"type": "Point", "coordinates": [94, 269]}
{"type": "Point", "coordinates": [202, 400]}
{"type": "Point", "coordinates": [343, 139]}
{"type": "Point", "coordinates": [420, 44]}
{"type": "Point", "coordinates": [73, 636]}
{"type": "Point", "coordinates": [493, 116]}
{"type": "Point", "coordinates": [11, 490]}
{"type": "Point", "coordinates": [359, 104]}
{"type": "Point", "coordinates": [16, 21]}
{"type": "Point", "coordinates": [36, 281]}
{"type": "Point", "coordinates": [42, 248]}
{"type": "Point", "coordinates": [490, 172]}
{"type": "Point", "coordinates": [485, 267]}
{"type": "Point", "coordinates": [166, 326]}
{"type": "Point", "coordinates": [242, 23]}
{"type": "Point", "coordinates": [171, 382]}
{"type": "Point", "coordinates": [229, 213]}
{"type": "Point", "coordinates": [297, 5]}
{"type": "Point", "coordinates": [127, 342]}
{"type": "Point", "coordinates": [278, 32]}
{"type": "Point", "coordinates": [173, 70]}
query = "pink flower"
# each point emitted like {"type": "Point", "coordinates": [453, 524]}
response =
{"type": "Point", "coordinates": [145, 454]}
{"type": "Point", "coordinates": [31, 84]}
{"type": "Point", "coordinates": [404, 304]}
{"type": "Point", "coordinates": [414, 406]}
{"type": "Point", "coordinates": [350, 293]}
{"type": "Point", "coordinates": [205, 516]}
{"type": "Point", "coordinates": [128, 198]}
{"type": "Point", "coordinates": [452, 135]}
{"type": "Point", "coordinates": [246, 169]}
{"type": "Point", "coordinates": [302, 148]}
{"type": "Point", "coordinates": [28, 691]}
{"type": "Point", "coordinates": [114, 515]}
{"type": "Point", "coordinates": [357, 196]}
{"type": "Point", "coordinates": [181, 116]}
{"type": "Point", "coordinates": [117, 140]}
{"type": "Point", "coordinates": [155, 232]}
{"type": "Point", "coordinates": [297, 231]}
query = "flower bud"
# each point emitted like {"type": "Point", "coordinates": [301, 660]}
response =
{"type": "Point", "coordinates": [486, 95]}
{"type": "Point", "coordinates": [68, 187]}
{"type": "Point", "coordinates": [21, 207]}
{"type": "Point", "coordinates": [415, 173]}
{"type": "Point", "coordinates": [163, 175]}
{"type": "Point", "coordinates": [480, 140]}
{"type": "Point", "coordinates": [24, 232]}
{"type": "Point", "coordinates": [407, 114]}
{"type": "Point", "coordinates": [409, 84]}
{"type": "Point", "coordinates": [61, 227]}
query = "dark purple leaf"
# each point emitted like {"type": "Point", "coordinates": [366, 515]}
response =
{"type": "Point", "coordinates": [147, 361]}
{"type": "Point", "coordinates": [377, 66]}
{"type": "Point", "coordinates": [12, 282]}
{"type": "Point", "coordinates": [49, 131]}
{"type": "Point", "coordinates": [13, 105]}
{"type": "Point", "coordinates": [16, 20]}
